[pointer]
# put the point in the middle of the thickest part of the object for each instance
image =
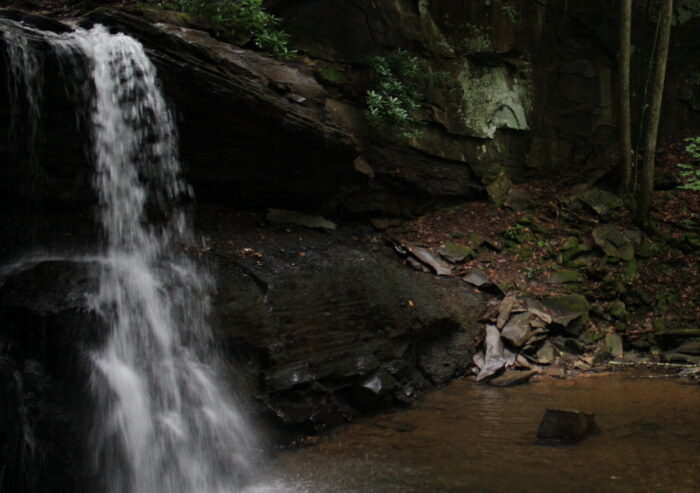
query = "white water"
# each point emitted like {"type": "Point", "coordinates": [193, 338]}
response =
{"type": "Point", "coordinates": [164, 421]}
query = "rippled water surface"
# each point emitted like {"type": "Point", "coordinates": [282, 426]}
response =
{"type": "Point", "coordinates": [469, 438]}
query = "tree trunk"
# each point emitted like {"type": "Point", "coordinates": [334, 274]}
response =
{"type": "Point", "coordinates": [643, 217]}
{"type": "Point", "coordinates": [624, 95]}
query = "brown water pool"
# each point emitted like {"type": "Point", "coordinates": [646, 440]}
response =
{"type": "Point", "coordinates": [472, 438]}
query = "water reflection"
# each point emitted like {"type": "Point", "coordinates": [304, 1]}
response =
{"type": "Point", "coordinates": [468, 438]}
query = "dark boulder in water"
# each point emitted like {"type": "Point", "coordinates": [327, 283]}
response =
{"type": "Point", "coordinates": [561, 427]}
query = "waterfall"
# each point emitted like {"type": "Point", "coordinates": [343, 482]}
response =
{"type": "Point", "coordinates": [164, 420]}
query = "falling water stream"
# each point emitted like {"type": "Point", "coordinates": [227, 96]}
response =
{"type": "Point", "coordinates": [163, 421]}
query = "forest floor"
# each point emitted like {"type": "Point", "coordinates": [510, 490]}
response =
{"type": "Point", "coordinates": [558, 240]}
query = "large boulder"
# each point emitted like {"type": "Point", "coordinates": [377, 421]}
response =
{"type": "Point", "coordinates": [45, 334]}
{"type": "Point", "coordinates": [329, 327]}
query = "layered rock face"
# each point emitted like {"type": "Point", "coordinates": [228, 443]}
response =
{"type": "Point", "coordinates": [45, 338]}
{"type": "Point", "coordinates": [530, 89]}
{"type": "Point", "coordinates": [328, 326]}
{"type": "Point", "coordinates": [532, 84]}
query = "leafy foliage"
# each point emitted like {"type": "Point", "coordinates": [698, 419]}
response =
{"type": "Point", "coordinates": [401, 81]}
{"type": "Point", "coordinates": [240, 18]}
{"type": "Point", "coordinates": [510, 12]}
{"type": "Point", "coordinates": [691, 172]}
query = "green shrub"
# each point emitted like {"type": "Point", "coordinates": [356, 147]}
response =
{"type": "Point", "coordinates": [691, 172]}
{"type": "Point", "coordinates": [399, 88]}
{"type": "Point", "coordinates": [239, 18]}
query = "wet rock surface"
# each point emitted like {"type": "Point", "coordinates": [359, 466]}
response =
{"type": "Point", "coordinates": [330, 324]}
{"type": "Point", "coordinates": [45, 335]}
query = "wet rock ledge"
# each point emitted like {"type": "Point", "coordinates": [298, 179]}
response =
{"type": "Point", "coordinates": [329, 324]}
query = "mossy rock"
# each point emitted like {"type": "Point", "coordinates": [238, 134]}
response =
{"type": "Point", "coordinates": [586, 262]}
{"type": "Point", "coordinates": [456, 253]}
{"type": "Point", "coordinates": [630, 271]}
{"type": "Point", "coordinates": [570, 243]}
{"type": "Point", "coordinates": [498, 189]}
{"type": "Point", "coordinates": [172, 17]}
{"type": "Point", "coordinates": [474, 240]}
{"type": "Point", "coordinates": [568, 307]}
{"type": "Point", "coordinates": [602, 202]}
{"type": "Point", "coordinates": [589, 337]}
{"type": "Point", "coordinates": [331, 76]}
{"type": "Point", "coordinates": [569, 311]}
{"type": "Point", "coordinates": [618, 309]}
{"type": "Point", "coordinates": [572, 249]}
{"type": "Point", "coordinates": [532, 223]}
{"type": "Point", "coordinates": [488, 172]}
{"type": "Point", "coordinates": [613, 344]}
{"type": "Point", "coordinates": [565, 276]}
{"type": "Point", "coordinates": [518, 199]}
{"type": "Point", "coordinates": [613, 242]}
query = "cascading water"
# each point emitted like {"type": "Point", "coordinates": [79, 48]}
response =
{"type": "Point", "coordinates": [162, 422]}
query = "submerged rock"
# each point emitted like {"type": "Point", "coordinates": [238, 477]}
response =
{"type": "Point", "coordinates": [560, 427]}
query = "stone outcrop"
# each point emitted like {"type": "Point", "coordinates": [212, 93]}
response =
{"type": "Point", "coordinates": [530, 89]}
{"type": "Point", "coordinates": [45, 338]}
{"type": "Point", "coordinates": [532, 84]}
{"type": "Point", "coordinates": [328, 327]}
